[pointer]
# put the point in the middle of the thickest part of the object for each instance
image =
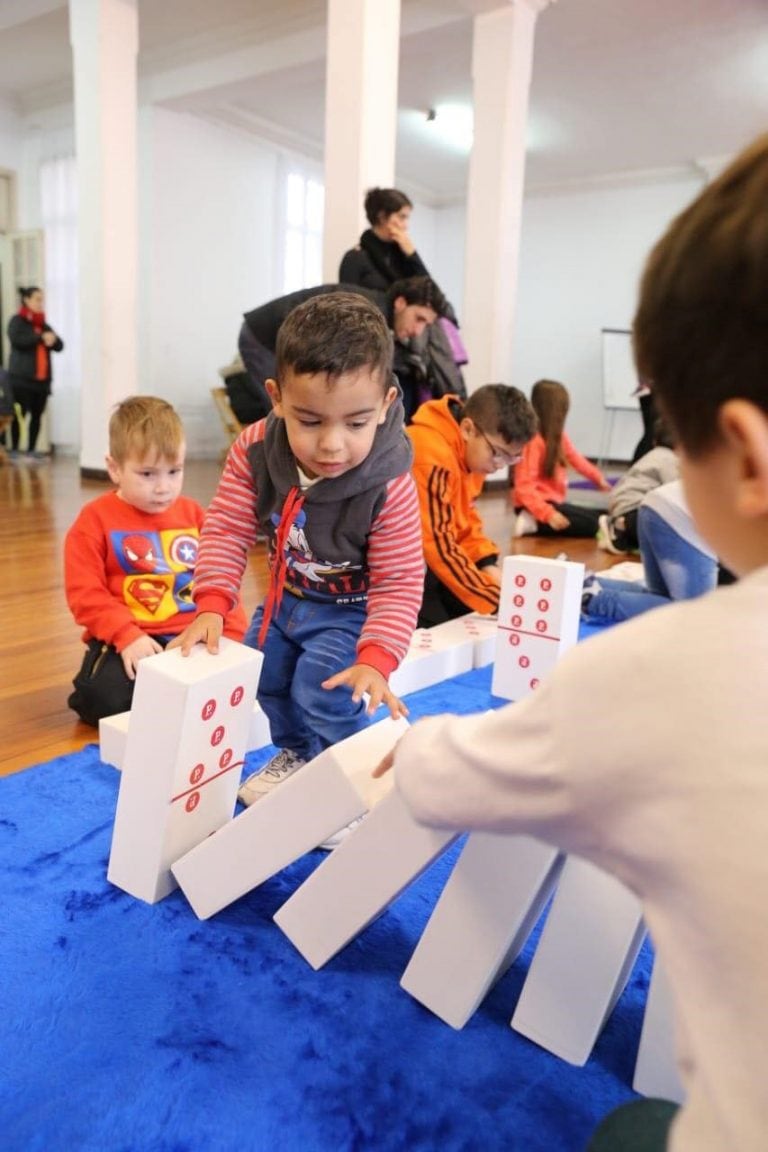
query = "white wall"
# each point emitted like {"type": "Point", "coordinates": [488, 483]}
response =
{"type": "Point", "coordinates": [207, 254]}
{"type": "Point", "coordinates": [580, 262]}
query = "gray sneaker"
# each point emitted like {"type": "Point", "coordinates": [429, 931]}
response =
{"type": "Point", "coordinates": [261, 783]}
{"type": "Point", "coordinates": [337, 838]}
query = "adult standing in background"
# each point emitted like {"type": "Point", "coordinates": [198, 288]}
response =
{"type": "Point", "coordinates": [29, 368]}
{"type": "Point", "coordinates": [386, 252]}
{"type": "Point", "coordinates": [385, 255]}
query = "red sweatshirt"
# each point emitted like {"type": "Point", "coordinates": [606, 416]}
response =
{"type": "Point", "coordinates": [538, 493]}
{"type": "Point", "coordinates": [128, 572]}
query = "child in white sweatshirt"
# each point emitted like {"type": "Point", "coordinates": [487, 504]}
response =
{"type": "Point", "coordinates": [664, 782]}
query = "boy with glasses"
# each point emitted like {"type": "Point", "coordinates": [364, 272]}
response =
{"type": "Point", "coordinates": [456, 445]}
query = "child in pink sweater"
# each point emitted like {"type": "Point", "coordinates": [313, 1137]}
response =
{"type": "Point", "coordinates": [541, 475]}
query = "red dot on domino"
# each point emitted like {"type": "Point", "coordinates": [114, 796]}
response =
{"type": "Point", "coordinates": [196, 774]}
{"type": "Point", "coordinates": [524, 661]}
{"type": "Point", "coordinates": [520, 580]}
{"type": "Point", "coordinates": [518, 600]}
{"type": "Point", "coordinates": [192, 801]}
{"type": "Point", "coordinates": [208, 709]}
{"type": "Point", "coordinates": [545, 584]}
{"type": "Point", "coordinates": [543, 605]}
{"type": "Point", "coordinates": [516, 621]}
{"type": "Point", "coordinates": [225, 758]}
{"type": "Point", "coordinates": [541, 625]}
{"type": "Point", "coordinates": [217, 735]}
{"type": "Point", "coordinates": [514, 639]}
{"type": "Point", "coordinates": [534, 683]}
{"type": "Point", "coordinates": [237, 696]}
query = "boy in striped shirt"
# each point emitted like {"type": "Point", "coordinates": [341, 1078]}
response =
{"type": "Point", "coordinates": [326, 477]}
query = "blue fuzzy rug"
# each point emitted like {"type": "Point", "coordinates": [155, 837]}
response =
{"type": "Point", "coordinates": [127, 1027]}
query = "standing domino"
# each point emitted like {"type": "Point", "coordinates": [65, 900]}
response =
{"type": "Point", "coordinates": [184, 751]}
{"type": "Point", "coordinates": [539, 612]}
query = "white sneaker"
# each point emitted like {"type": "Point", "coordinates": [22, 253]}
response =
{"type": "Point", "coordinates": [334, 841]}
{"type": "Point", "coordinates": [605, 538]}
{"type": "Point", "coordinates": [525, 525]}
{"type": "Point", "coordinates": [261, 783]}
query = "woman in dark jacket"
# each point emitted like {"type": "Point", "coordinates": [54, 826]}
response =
{"type": "Point", "coordinates": [385, 255]}
{"type": "Point", "coordinates": [29, 368]}
{"type": "Point", "coordinates": [386, 252]}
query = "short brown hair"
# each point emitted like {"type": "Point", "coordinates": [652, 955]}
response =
{"type": "Point", "coordinates": [503, 411]}
{"type": "Point", "coordinates": [701, 327]}
{"type": "Point", "coordinates": [142, 425]}
{"type": "Point", "coordinates": [333, 334]}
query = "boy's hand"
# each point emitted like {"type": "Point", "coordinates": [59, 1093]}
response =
{"type": "Point", "coordinates": [558, 521]}
{"type": "Point", "coordinates": [362, 678]}
{"type": "Point", "coordinates": [204, 629]}
{"type": "Point", "coordinates": [137, 650]}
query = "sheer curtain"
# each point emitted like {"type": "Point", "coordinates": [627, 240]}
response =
{"type": "Point", "coordinates": [58, 198]}
{"type": "Point", "coordinates": [302, 196]}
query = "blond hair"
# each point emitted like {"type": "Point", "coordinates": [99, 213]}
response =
{"type": "Point", "coordinates": [145, 426]}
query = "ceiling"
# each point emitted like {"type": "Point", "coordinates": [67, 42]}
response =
{"type": "Point", "coordinates": [620, 87]}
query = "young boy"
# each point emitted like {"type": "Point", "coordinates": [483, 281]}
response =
{"type": "Point", "coordinates": [456, 445]}
{"type": "Point", "coordinates": [326, 477]}
{"type": "Point", "coordinates": [129, 556]}
{"type": "Point", "coordinates": [665, 785]}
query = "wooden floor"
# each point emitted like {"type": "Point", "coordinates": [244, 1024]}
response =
{"type": "Point", "coordinates": [40, 646]}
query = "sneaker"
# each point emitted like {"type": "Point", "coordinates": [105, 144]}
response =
{"type": "Point", "coordinates": [605, 537]}
{"type": "Point", "coordinates": [525, 525]}
{"type": "Point", "coordinates": [261, 783]}
{"type": "Point", "coordinates": [334, 841]}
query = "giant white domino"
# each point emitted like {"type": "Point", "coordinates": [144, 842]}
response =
{"type": "Point", "coordinates": [485, 914]}
{"type": "Point", "coordinates": [446, 650]}
{"type": "Point", "coordinates": [294, 818]}
{"type": "Point", "coordinates": [359, 880]}
{"type": "Point", "coordinates": [183, 759]}
{"type": "Point", "coordinates": [656, 1071]}
{"type": "Point", "coordinates": [539, 610]}
{"type": "Point", "coordinates": [588, 946]}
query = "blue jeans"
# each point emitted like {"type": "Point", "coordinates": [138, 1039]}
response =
{"type": "Point", "coordinates": [674, 570]}
{"type": "Point", "coordinates": [306, 643]}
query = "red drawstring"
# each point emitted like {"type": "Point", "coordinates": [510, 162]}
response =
{"type": "Point", "coordinates": [291, 508]}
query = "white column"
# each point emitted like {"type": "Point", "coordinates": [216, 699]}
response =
{"type": "Point", "coordinates": [502, 55]}
{"type": "Point", "coordinates": [363, 42]}
{"type": "Point", "coordinates": [104, 36]}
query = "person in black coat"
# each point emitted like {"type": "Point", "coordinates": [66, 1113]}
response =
{"type": "Point", "coordinates": [29, 367]}
{"type": "Point", "coordinates": [385, 252]}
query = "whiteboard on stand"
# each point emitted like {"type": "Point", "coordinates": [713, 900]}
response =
{"type": "Point", "coordinates": [619, 373]}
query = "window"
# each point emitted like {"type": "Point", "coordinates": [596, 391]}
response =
{"type": "Point", "coordinates": [303, 252]}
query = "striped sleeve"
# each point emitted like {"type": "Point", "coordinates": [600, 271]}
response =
{"type": "Point", "coordinates": [396, 571]}
{"type": "Point", "coordinates": [229, 529]}
{"type": "Point", "coordinates": [449, 558]}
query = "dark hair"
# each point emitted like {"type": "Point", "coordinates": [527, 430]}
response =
{"type": "Point", "coordinates": [701, 328]}
{"type": "Point", "coordinates": [384, 201]}
{"type": "Point", "coordinates": [418, 290]}
{"type": "Point", "coordinates": [25, 293]}
{"type": "Point", "coordinates": [335, 333]}
{"type": "Point", "coordinates": [502, 410]}
{"type": "Point", "coordinates": [551, 402]}
{"type": "Point", "coordinates": [663, 435]}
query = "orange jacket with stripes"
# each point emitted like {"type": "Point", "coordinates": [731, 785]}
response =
{"type": "Point", "coordinates": [455, 544]}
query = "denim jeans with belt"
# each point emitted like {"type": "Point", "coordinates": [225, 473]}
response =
{"type": "Point", "coordinates": [306, 643]}
{"type": "Point", "coordinates": [674, 569]}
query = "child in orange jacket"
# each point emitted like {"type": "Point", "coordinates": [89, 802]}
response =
{"type": "Point", "coordinates": [541, 477]}
{"type": "Point", "coordinates": [457, 444]}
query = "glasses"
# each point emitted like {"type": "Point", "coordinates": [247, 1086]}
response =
{"type": "Point", "coordinates": [500, 455]}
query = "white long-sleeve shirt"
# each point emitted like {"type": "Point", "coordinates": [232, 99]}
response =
{"type": "Point", "coordinates": [646, 752]}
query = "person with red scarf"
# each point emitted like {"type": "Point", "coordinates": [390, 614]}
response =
{"type": "Point", "coordinates": [29, 369]}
